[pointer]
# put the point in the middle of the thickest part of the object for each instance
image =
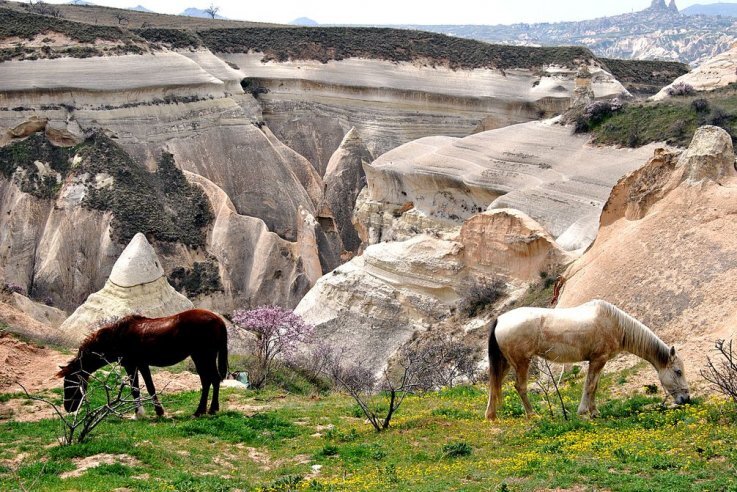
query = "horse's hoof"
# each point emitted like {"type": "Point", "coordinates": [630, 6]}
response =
{"type": "Point", "coordinates": [159, 411]}
{"type": "Point", "coordinates": [198, 414]}
{"type": "Point", "coordinates": [594, 414]}
{"type": "Point", "coordinates": [212, 412]}
{"type": "Point", "coordinates": [140, 413]}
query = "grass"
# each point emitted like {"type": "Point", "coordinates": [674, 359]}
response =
{"type": "Point", "coordinates": [437, 442]}
{"type": "Point", "coordinates": [673, 120]}
{"type": "Point", "coordinates": [644, 77]}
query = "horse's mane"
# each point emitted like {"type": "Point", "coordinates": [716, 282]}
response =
{"type": "Point", "coordinates": [636, 337]}
{"type": "Point", "coordinates": [106, 331]}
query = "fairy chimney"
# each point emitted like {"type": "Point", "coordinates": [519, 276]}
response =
{"type": "Point", "coordinates": [137, 284]}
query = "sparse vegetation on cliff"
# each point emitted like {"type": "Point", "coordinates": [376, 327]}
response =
{"type": "Point", "coordinates": [644, 77]}
{"type": "Point", "coordinates": [672, 120]}
{"type": "Point", "coordinates": [163, 204]}
{"type": "Point", "coordinates": [338, 43]}
{"type": "Point", "coordinates": [17, 161]}
{"type": "Point", "coordinates": [174, 38]}
{"type": "Point", "coordinates": [203, 278]}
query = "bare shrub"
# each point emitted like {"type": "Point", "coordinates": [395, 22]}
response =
{"type": "Point", "coordinates": [681, 89]}
{"type": "Point", "coordinates": [478, 294]}
{"type": "Point", "coordinates": [595, 113]}
{"type": "Point", "coordinates": [110, 394]}
{"type": "Point", "coordinates": [548, 384]}
{"type": "Point", "coordinates": [722, 373]}
{"type": "Point", "coordinates": [443, 361]}
{"type": "Point", "coordinates": [379, 398]}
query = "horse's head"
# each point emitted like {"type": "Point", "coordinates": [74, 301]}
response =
{"type": "Point", "coordinates": [673, 378]}
{"type": "Point", "coordinates": [75, 384]}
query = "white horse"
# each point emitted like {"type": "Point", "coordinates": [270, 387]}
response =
{"type": "Point", "coordinates": [593, 332]}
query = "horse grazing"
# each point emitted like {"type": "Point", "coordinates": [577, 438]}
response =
{"type": "Point", "coordinates": [139, 342]}
{"type": "Point", "coordinates": [593, 332]}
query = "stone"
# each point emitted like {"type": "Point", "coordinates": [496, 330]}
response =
{"type": "Point", "coordinates": [710, 156]}
{"type": "Point", "coordinates": [665, 251]}
{"type": "Point", "coordinates": [539, 168]}
{"type": "Point", "coordinates": [32, 125]}
{"type": "Point", "coordinates": [508, 243]}
{"type": "Point", "coordinates": [344, 180]}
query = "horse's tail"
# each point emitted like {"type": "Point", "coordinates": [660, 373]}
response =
{"type": "Point", "coordinates": [498, 366]}
{"type": "Point", "coordinates": [223, 354]}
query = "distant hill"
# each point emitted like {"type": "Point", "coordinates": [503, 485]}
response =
{"type": "Point", "coordinates": [194, 12]}
{"type": "Point", "coordinates": [141, 8]}
{"type": "Point", "coordinates": [659, 32]}
{"type": "Point", "coordinates": [725, 9]}
{"type": "Point", "coordinates": [304, 21]}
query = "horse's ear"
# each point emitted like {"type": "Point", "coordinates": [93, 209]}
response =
{"type": "Point", "coordinates": [61, 374]}
{"type": "Point", "coordinates": [672, 351]}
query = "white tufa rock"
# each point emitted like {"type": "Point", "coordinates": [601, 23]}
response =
{"type": "Point", "coordinates": [137, 264]}
{"type": "Point", "coordinates": [709, 157]}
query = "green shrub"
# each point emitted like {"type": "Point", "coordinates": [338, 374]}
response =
{"type": "Point", "coordinates": [457, 449]}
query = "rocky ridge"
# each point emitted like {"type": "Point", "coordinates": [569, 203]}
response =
{"type": "Point", "coordinates": [658, 32]}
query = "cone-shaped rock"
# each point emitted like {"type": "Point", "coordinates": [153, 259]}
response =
{"type": "Point", "coordinates": [344, 179]}
{"type": "Point", "coordinates": [137, 284]}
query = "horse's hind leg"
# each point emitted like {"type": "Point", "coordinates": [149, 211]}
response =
{"type": "Point", "coordinates": [588, 399]}
{"type": "Point", "coordinates": [146, 375]}
{"type": "Point", "coordinates": [521, 371]}
{"type": "Point", "coordinates": [496, 379]}
{"type": "Point", "coordinates": [215, 404]}
{"type": "Point", "coordinates": [205, 372]}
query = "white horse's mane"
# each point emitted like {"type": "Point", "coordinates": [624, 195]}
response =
{"type": "Point", "coordinates": [637, 338]}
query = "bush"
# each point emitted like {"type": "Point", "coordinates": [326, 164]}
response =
{"type": "Point", "coordinates": [700, 105]}
{"type": "Point", "coordinates": [14, 288]}
{"type": "Point", "coordinates": [596, 113]}
{"type": "Point", "coordinates": [722, 374]}
{"type": "Point", "coordinates": [457, 449]}
{"type": "Point", "coordinates": [680, 89]}
{"type": "Point", "coordinates": [479, 294]}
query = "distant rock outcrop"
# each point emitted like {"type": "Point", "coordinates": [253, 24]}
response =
{"type": "Point", "coordinates": [137, 284]}
{"type": "Point", "coordinates": [344, 180]}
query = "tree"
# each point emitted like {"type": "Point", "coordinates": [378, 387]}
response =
{"type": "Point", "coordinates": [212, 10]}
{"type": "Point", "coordinates": [278, 333]}
{"type": "Point", "coordinates": [722, 374]}
{"type": "Point", "coordinates": [122, 19]}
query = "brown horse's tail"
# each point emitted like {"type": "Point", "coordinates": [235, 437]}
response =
{"type": "Point", "coordinates": [223, 355]}
{"type": "Point", "coordinates": [498, 366]}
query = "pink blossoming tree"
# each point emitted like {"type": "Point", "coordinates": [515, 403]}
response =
{"type": "Point", "coordinates": [278, 333]}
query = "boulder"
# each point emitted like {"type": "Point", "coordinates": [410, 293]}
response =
{"type": "Point", "coordinates": [344, 180]}
{"type": "Point", "coordinates": [508, 243]}
{"type": "Point", "coordinates": [710, 155]}
{"type": "Point", "coordinates": [32, 125]}
{"type": "Point", "coordinates": [137, 284]}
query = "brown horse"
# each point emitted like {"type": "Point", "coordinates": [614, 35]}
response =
{"type": "Point", "coordinates": [139, 342]}
{"type": "Point", "coordinates": [593, 332]}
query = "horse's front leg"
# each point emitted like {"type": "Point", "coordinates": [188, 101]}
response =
{"type": "Point", "coordinates": [521, 372]}
{"type": "Point", "coordinates": [146, 374]}
{"type": "Point", "coordinates": [588, 398]}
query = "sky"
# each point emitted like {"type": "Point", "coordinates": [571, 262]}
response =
{"type": "Point", "coordinates": [402, 11]}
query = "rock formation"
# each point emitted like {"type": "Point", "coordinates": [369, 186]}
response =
{"type": "Point", "coordinates": [507, 243]}
{"type": "Point", "coordinates": [665, 250]}
{"type": "Point", "coordinates": [344, 180]}
{"type": "Point", "coordinates": [137, 284]}
{"type": "Point", "coordinates": [538, 168]}
{"type": "Point", "coordinates": [311, 105]}
{"type": "Point", "coordinates": [716, 72]}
